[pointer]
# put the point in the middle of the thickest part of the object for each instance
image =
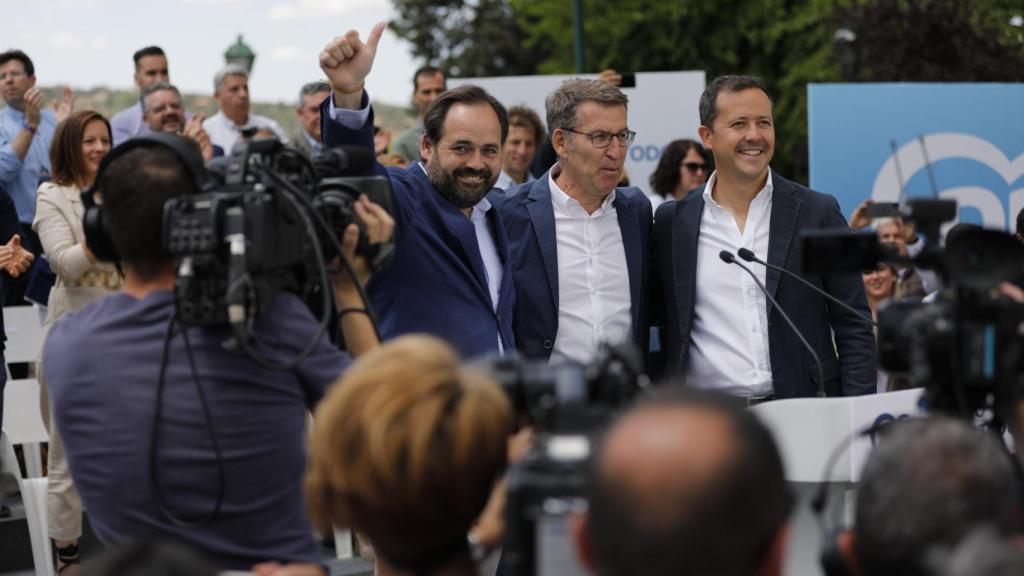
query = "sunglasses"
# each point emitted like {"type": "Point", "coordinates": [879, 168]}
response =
{"type": "Point", "coordinates": [694, 166]}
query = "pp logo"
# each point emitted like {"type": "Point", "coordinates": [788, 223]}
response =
{"type": "Point", "coordinates": [949, 145]}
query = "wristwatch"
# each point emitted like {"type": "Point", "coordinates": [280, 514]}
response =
{"type": "Point", "coordinates": [27, 127]}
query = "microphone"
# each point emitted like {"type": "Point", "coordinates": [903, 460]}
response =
{"type": "Point", "coordinates": [729, 258]}
{"type": "Point", "coordinates": [750, 257]}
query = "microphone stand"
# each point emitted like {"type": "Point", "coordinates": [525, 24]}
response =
{"type": "Point", "coordinates": [729, 258]}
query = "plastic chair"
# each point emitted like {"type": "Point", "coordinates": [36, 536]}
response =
{"type": "Point", "coordinates": [33, 495]}
{"type": "Point", "coordinates": [22, 421]}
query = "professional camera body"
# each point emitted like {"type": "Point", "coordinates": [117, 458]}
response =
{"type": "Point", "coordinates": [567, 404]}
{"type": "Point", "coordinates": [966, 348]}
{"type": "Point", "coordinates": [271, 225]}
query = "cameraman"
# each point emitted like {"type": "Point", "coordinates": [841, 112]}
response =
{"type": "Point", "coordinates": [222, 470]}
{"type": "Point", "coordinates": [928, 484]}
{"type": "Point", "coordinates": [687, 482]}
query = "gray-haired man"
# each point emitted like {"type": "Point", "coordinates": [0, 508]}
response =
{"type": "Point", "coordinates": [231, 91]}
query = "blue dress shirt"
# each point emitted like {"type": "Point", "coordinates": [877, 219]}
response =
{"type": "Point", "coordinates": [22, 177]}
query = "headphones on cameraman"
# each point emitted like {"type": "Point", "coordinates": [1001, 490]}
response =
{"type": "Point", "coordinates": [94, 224]}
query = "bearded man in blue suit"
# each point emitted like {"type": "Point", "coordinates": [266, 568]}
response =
{"type": "Point", "coordinates": [451, 274]}
{"type": "Point", "coordinates": [580, 246]}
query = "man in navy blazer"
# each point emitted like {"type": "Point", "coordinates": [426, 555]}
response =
{"type": "Point", "coordinates": [580, 246]}
{"type": "Point", "coordinates": [719, 330]}
{"type": "Point", "coordinates": [451, 275]}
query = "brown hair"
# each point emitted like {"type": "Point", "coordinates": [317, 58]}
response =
{"type": "Point", "coordinates": [562, 104]}
{"type": "Point", "coordinates": [406, 448]}
{"type": "Point", "coordinates": [66, 161]}
{"type": "Point", "coordinates": [526, 118]}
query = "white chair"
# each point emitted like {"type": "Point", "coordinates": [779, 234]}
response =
{"type": "Point", "coordinates": [33, 495]}
{"type": "Point", "coordinates": [24, 334]}
{"type": "Point", "coordinates": [21, 405]}
{"type": "Point", "coordinates": [23, 424]}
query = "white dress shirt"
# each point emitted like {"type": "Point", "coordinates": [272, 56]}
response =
{"type": "Point", "coordinates": [593, 280]}
{"type": "Point", "coordinates": [224, 132]}
{"type": "Point", "coordinates": [729, 334]}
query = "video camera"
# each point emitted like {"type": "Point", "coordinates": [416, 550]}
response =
{"type": "Point", "coordinates": [967, 347]}
{"type": "Point", "coordinates": [567, 404]}
{"type": "Point", "coordinates": [272, 225]}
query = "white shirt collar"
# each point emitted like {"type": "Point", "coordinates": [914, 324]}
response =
{"type": "Point", "coordinates": [763, 194]}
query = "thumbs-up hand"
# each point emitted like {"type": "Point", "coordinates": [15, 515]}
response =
{"type": "Point", "coordinates": [347, 60]}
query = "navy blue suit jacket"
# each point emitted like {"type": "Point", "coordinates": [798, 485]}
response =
{"type": "Point", "coordinates": [530, 222]}
{"type": "Point", "coordinates": [794, 207]}
{"type": "Point", "coordinates": [437, 283]}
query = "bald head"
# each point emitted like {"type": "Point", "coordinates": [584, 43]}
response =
{"type": "Point", "coordinates": [666, 454]}
{"type": "Point", "coordinates": [686, 483]}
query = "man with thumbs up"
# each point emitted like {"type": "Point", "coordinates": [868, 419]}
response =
{"type": "Point", "coordinates": [451, 275]}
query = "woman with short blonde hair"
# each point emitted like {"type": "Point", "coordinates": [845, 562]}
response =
{"type": "Point", "coordinates": [406, 448]}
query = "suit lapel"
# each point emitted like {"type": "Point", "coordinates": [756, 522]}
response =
{"type": "Point", "coordinates": [630, 228]}
{"type": "Point", "coordinates": [543, 218]}
{"type": "Point", "coordinates": [685, 234]}
{"type": "Point", "coordinates": [458, 233]}
{"type": "Point", "coordinates": [785, 208]}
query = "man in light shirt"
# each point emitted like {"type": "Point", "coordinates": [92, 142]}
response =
{"type": "Point", "coordinates": [580, 246]}
{"type": "Point", "coordinates": [719, 331]}
{"type": "Point", "coordinates": [231, 91]}
{"type": "Point", "coordinates": [150, 67]}
{"type": "Point", "coordinates": [308, 112]}
{"type": "Point", "coordinates": [163, 111]}
{"type": "Point", "coordinates": [525, 134]}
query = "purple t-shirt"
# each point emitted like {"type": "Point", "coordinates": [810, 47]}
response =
{"type": "Point", "coordinates": [101, 366]}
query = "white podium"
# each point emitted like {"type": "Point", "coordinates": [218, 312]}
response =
{"type": "Point", "coordinates": [808, 432]}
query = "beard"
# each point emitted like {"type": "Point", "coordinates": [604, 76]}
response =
{"type": "Point", "coordinates": [461, 194]}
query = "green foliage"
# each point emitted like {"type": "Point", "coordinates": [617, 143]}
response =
{"type": "Point", "coordinates": [466, 38]}
{"type": "Point", "coordinates": [786, 43]}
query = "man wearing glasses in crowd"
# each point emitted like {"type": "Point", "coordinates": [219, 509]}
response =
{"type": "Point", "coordinates": [579, 244]}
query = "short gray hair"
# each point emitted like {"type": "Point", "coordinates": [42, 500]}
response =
{"type": "Point", "coordinates": [313, 88]}
{"type": "Point", "coordinates": [928, 483]}
{"type": "Point", "coordinates": [561, 104]}
{"type": "Point", "coordinates": [156, 87]}
{"type": "Point", "coordinates": [228, 70]}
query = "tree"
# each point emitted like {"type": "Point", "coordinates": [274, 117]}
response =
{"type": "Point", "coordinates": [786, 43]}
{"type": "Point", "coordinates": [934, 41]}
{"type": "Point", "coordinates": [467, 38]}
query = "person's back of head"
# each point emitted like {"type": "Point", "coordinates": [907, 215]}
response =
{"type": "Point", "coordinates": [135, 182]}
{"type": "Point", "coordinates": [686, 483]}
{"type": "Point", "coordinates": [406, 448]}
{"type": "Point", "coordinates": [928, 483]}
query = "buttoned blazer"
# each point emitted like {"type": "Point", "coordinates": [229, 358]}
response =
{"type": "Point", "coordinates": [848, 363]}
{"type": "Point", "coordinates": [437, 283]}
{"type": "Point", "coordinates": [530, 221]}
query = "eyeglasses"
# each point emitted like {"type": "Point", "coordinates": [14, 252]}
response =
{"type": "Point", "coordinates": [604, 139]}
{"type": "Point", "coordinates": [694, 166]}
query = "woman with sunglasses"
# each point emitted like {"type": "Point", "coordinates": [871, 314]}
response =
{"type": "Point", "coordinates": [79, 144]}
{"type": "Point", "coordinates": [684, 165]}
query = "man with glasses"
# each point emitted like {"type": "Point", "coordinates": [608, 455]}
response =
{"type": "Point", "coordinates": [719, 332]}
{"type": "Point", "coordinates": [580, 245]}
{"type": "Point", "coordinates": [26, 130]}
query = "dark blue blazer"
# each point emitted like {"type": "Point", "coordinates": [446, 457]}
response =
{"type": "Point", "coordinates": [794, 207]}
{"type": "Point", "coordinates": [527, 213]}
{"type": "Point", "coordinates": [437, 283]}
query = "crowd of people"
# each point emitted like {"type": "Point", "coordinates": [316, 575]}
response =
{"type": "Point", "coordinates": [509, 237]}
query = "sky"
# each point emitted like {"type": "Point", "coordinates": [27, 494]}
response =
{"type": "Point", "coordinates": [89, 43]}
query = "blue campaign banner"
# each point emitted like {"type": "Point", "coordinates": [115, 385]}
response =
{"type": "Point", "coordinates": [970, 136]}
